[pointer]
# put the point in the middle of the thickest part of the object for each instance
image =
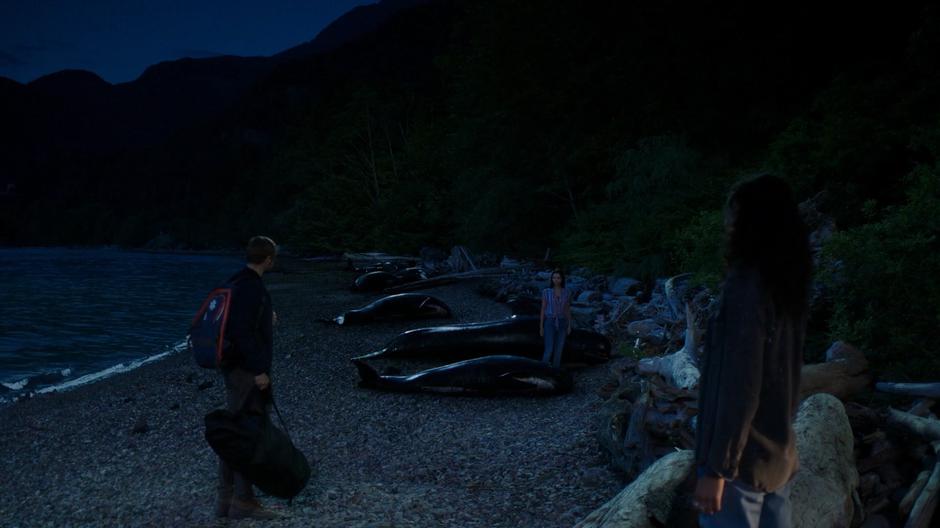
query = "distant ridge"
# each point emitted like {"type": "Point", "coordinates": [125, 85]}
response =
{"type": "Point", "coordinates": [357, 22]}
{"type": "Point", "coordinates": [79, 111]}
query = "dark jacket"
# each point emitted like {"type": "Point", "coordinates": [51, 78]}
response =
{"type": "Point", "coordinates": [750, 387]}
{"type": "Point", "coordinates": [249, 325]}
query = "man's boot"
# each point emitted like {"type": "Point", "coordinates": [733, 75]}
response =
{"type": "Point", "coordinates": [223, 501]}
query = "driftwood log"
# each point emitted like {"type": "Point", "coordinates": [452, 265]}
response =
{"type": "Point", "coordinates": [924, 427]}
{"type": "Point", "coordinates": [926, 503]}
{"type": "Point", "coordinates": [460, 259]}
{"type": "Point", "coordinates": [356, 260]}
{"type": "Point", "coordinates": [844, 373]}
{"type": "Point", "coordinates": [678, 368]}
{"type": "Point", "coordinates": [821, 494]}
{"type": "Point", "coordinates": [650, 500]}
{"type": "Point", "coordinates": [907, 503]}
{"type": "Point", "coordinates": [636, 443]}
{"type": "Point", "coordinates": [923, 390]}
{"type": "Point", "coordinates": [449, 278]}
{"type": "Point", "coordinates": [921, 407]}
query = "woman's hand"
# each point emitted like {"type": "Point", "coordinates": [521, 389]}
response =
{"type": "Point", "coordinates": [708, 493]}
{"type": "Point", "coordinates": [262, 381]}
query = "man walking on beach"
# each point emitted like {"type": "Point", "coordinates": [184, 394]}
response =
{"type": "Point", "coordinates": [246, 369]}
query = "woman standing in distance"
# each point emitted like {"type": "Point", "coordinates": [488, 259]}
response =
{"type": "Point", "coordinates": [745, 446]}
{"type": "Point", "coordinates": [555, 319]}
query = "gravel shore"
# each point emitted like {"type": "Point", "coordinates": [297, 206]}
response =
{"type": "Point", "coordinates": [129, 450]}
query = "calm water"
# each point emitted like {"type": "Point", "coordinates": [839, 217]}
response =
{"type": "Point", "coordinates": [70, 316]}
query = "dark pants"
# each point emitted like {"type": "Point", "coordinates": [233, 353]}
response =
{"type": "Point", "coordinates": [743, 506]}
{"type": "Point", "coordinates": [555, 331]}
{"type": "Point", "coordinates": [240, 394]}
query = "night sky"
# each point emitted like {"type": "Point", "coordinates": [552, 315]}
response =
{"type": "Point", "coordinates": [118, 39]}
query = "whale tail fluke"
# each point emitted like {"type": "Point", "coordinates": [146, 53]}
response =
{"type": "Point", "coordinates": [368, 377]}
{"type": "Point", "coordinates": [377, 353]}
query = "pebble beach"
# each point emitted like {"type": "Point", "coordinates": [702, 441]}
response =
{"type": "Point", "coordinates": [129, 450]}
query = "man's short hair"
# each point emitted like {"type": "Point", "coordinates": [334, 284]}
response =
{"type": "Point", "coordinates": [259, 249]}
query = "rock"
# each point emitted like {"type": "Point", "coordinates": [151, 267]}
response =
{"type": "Point", "coordinates": [648, 330]}
{"type": "Point", "coordinates": [876, 521]}
{"type": "Point", "coordinates": [584, 316]}
{"type": "Point", "coordinates": [593, 477]}
{"type": "Point", "coordinates": [429, 253]}
{"type": "Point", "coordinates": [612, 421]}
{"type": "Point", "coordinates": [509, 263]}
{"type": "Point", "coordinates": [575, 284]}
{"type": "Point", "coordinates": [622, 285]}
{"type": "Point", "coordinates": [141, 426]}
{"type": "Point", "coordinates": [206, 384]}
{"type": "Point", "coordinates": [822, 490]}
{"type": "Point", "coordinates": [589, 296]}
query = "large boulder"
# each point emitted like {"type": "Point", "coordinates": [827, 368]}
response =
{"type": "Point", "coordinates": [648, 330]}
{"type": "Point", "coordinates": [822, 491]}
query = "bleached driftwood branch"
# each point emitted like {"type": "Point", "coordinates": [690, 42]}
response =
{"type": "Point", "coordinates": [844, 373]}
{"type": "Point", "coordinates": [924, 390]}
{"type": "Point", "coordinates": [925, 427]}
{"type": "Point", "coordinates": [926, 503]}
{"type": "Point", "coordinates": [679, 367]}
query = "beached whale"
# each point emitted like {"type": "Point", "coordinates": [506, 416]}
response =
{"type": "Point", "coordinates": [517, 336]}
{"type": "Point", "coordinates": [490, 375]}
{"type": "Point", "coordinates": [400, 306]}
{"type": "Point", "coordinates": [379, 280]}
{"type": "Point", "coordinates": [524, 305]}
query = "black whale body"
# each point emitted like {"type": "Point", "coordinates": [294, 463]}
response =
{"type": "Point", "coordinates": [379, 280]}
{"type": "Point", "coordinates": [489, 375]}
{"type": "Point", "coordinates": [394, 307]}
{"type": "Point", "coordinates": [517, 335]}
{"type": "Point", "coordinates": [522, 305]}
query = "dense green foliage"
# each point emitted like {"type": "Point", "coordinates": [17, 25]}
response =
{"type": "Point", "coordinates": [883, 279]}
{"type": "Point", "coordinates": [610, 133]}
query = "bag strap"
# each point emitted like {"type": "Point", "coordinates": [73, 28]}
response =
{"type": "Point", "coordinates": [284, 425]}
{"type": "Point", "coordinates": [250, 393]}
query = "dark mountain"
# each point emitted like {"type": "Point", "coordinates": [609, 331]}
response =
{"type": "Point", "coordinates": [68, 84]}
{"type": "Point", "coordinates": [76, 110]}
{"type": "Point", "coordinates": [349, 27]}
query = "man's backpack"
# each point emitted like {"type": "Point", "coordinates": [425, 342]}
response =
{"type": "Point", "coordinates": [207, 331]}
{"type": "Point", "coordinates": [206, 340]}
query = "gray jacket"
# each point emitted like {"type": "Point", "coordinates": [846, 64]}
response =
{"type": "Point", "coordinates": [750, 387]}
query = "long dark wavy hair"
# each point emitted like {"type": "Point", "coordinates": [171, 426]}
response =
{"type": "Point", "coordinates": [563, 278]}
{"type": "Point", "coordinates": [767, 232]}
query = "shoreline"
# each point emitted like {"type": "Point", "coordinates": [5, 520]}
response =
{"type": "Point", "coordinates": [92, 377]}
{"type": "Point", "coordinates": [379, 459]}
